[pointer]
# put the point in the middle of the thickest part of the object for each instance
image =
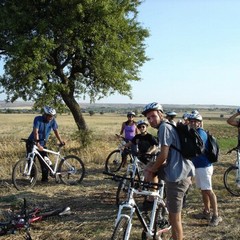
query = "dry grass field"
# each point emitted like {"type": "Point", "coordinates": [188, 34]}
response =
{"type": "Point", "coordinates": [92, 202]}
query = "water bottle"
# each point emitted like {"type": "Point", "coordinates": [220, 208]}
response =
{"type": "Point", "coordinates": [48, 161]}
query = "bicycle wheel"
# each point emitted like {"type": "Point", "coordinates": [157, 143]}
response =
{"type": "Point", "coordinates": [229, 180]}
{"type": "Point", "coordinates": [20, 179]}
{"type": "Point", "coordinates": [72, 170]}
{"type": "Point", "coordinates": [120, 231]}
{"type": "Point", "coordinates": [113, 162]}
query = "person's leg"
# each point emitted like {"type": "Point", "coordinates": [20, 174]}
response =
{"type": "Point", "coordinates": [176, 223]}
{"type": "Point", "coordinates": [175, 194]}
{"type": "Point", "coordinates": [44, 168]}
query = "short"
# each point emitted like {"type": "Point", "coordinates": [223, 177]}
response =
{"type": "Point", "coordinates": [203, 178]}
{"type": "Point", "coordinates": [175, 193]}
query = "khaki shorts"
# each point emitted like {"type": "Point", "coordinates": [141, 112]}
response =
{"type": "Point", "coordinates": [175, 193]}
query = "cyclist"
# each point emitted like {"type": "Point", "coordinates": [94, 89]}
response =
{"type": "Point", "coordinates": [170, 166]}
{"type": "Point", "coordinates": [170, 117]}
{"type": "Point", "coordinates": [42, 127]}
{"type": "Point", "coordinates": [203, 177]}
{"type": "Point", "coordinates": [144, 142]}
{"type": "Point", "coordinates": [233, 121]}
{"type": "Point", "coordinates": [128, 130]}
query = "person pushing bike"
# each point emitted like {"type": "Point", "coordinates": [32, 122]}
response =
{"type": "Point", "coordinates": [42, 127]}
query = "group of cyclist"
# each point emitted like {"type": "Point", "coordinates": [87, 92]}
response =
{"type": "Point", "coordinates": [170, 165]}
{"type": "Point", "coordinates": [176, 171]}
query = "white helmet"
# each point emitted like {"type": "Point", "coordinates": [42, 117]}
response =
{"type": "Point", "coordinates": [131, 114]}
{"type": "Point", "coordinates": [197, 117]}
{"type": "Point", "coordinates": [152, 106]}
{"type": "Point", "coordinates": [142, 122]}
{"type": "Point", "coordinates": [171, 114]}
{"type": "Point", "coordinates": [49, 110]}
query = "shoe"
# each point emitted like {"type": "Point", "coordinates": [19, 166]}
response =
{"type": "Point", "coordinates": [147, 205]}
{"type": "Point", "coordinates": [215, 220]}
{"type": "Point", "coordinates": [44, 180]}
{"type": "Point", "coordinates": [203, 215]}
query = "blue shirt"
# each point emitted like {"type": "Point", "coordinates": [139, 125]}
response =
{"type": "Point", "coordinates": [44, 128]}
{"type": "Point", "coordinates": [202, 161]}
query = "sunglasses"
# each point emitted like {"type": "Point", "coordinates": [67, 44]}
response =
{"type": "Point", "coordinates": [143, 126]}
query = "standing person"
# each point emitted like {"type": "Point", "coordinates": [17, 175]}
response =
{"type": "Point", "coordinates": [203, 178]}
{"type": "Point", "coordinates": [144, 142]}
{"type": "Point", "coordinates": [170, 117]}
{"type": "Point", "coordinates": [42, 126]}
{"type": "Point", "coordinates": [170, 166]}
{"type": "Point", "coordinates": [233, 121]}
{"type": "Point", "coordinates": [128, 130]}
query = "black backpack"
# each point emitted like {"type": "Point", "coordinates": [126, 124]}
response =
{"type": "Point", "coordinates": [213, 148]}
{"type": "Point", "coordinates": [191, 143]}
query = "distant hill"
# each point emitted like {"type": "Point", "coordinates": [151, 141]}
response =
{"type": "Point", "coordinates": [28, 105]}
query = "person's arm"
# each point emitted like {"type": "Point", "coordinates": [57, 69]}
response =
{"type": "Point", "coordinates": [58, 136]}
{"type": "Point", "coordinates": [122, 128]}
{"type": "Point", "coordinates": [232, 120]}
{"type": "Point", "coordinates": [36, 138]}
{"type": "Point", "coordinates": [150, 170]}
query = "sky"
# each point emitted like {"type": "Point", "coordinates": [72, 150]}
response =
{"type": "Point", "coordinates": [194, 51]}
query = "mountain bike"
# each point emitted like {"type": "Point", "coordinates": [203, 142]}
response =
{"type": "Point", "coordinates": [15, 221]}
{"type": "Point", "coordinates": [114, 161]}
{"type": "Point", "coordinates": [69, 169]}
{"type": "Point", "coordinates": [231, 177]}
{"type": "Point", "coordinates": [135, 170]}
{"type": "Point", "coordinates": [155, 225]}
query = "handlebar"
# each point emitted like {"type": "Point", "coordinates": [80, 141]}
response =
{"type": "Point", "coordinates": [60, 145]}
{"type": "Point", "coordinates": [237, 148]}
{"type": "Point", "coordinates": [118, 178]}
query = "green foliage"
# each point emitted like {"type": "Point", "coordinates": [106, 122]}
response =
{"type": "Point", "coordinates": [58, 49]}
{"type": "Point", "coordinates": [85, 137]}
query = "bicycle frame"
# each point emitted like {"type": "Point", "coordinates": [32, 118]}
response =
{"type": "Point", "coordinates": [35, 152]}
{"type": "Point", "coordinates": [238, 167]}
{"type": "Point", "coordinates": [129, 207]}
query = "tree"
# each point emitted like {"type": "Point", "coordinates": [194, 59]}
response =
{"type": "Point", "coordinates": [58, 51]}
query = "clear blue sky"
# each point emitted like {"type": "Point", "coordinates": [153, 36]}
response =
{"type": "Point", "coordinates": [194, 48]}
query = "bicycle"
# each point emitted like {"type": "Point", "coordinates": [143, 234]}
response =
{"type": "Point", "coordinates": [135, 170]}
{"type": "Point", "coordinates": [15, 221]}
{"type": "Point", "coordinates": [114, 161]}
{"type": "Point", "coordinates": [231, 177]}
{"type": "Point", "coordinates": [153, 227]}
{"type": "Point", "coordinates": [70, 169]}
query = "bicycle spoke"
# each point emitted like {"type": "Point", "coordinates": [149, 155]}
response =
{"type": "Point", "coordinates": [20, 177]}
{"type": "Point", "coordinates": [71, 170]}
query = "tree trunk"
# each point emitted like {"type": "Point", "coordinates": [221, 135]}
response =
{"type": "Point", "coordinates": [76, 111]}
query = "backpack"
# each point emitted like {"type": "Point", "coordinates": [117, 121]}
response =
{"type": "Point", "coordinates": [213, 148]}
{"type": "Point", "coordinates": [190, 140]}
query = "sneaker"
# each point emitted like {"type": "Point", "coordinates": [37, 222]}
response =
{"type": "Point", "coordinates": [215, 220]}
{"type": "Point", "coordinates": [203, 215]}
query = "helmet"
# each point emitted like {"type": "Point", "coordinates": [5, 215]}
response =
{"type": "Point", "coordinates": [49, 110]}
{"type": "Point", "coordinates": [151, 107]}
{"type": "Point", "coordinates": [171, 114]}
{"type": "Point", "coordinates": [131, 114]}
{"type": "Point", "coordinates": [186, 115]}
{"type": "Point", "coordinates": [195, 112]}
{"type": "Point", "coordinates": [197, 117]}
{"type": "Point", "coordinates": [141, 122]}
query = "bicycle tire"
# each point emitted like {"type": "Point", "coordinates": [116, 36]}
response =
{"type": "Point", "coordinates": [20, 180]}
{"type": "Point", "coordinates": [120, 231]}
{"type": "Point", "coordinates": [113, 162]}
{"type": "Point", "coordinates": [229, 180]}
{"type": "Point", "coordinates": [72, 170]}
